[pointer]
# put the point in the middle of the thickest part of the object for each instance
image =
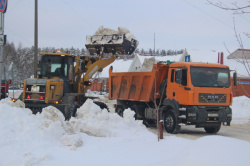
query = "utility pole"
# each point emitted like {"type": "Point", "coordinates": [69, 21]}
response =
{"type": "Point", "coordinates": [3, 7]}
{"type": "Point", "coordinates": [154, 43]}
{"type": "Point", "coordinates": [35, 40]}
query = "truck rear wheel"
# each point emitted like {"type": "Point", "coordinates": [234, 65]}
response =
{"type": "Point", "coordinates": [212, 130]}
{"type": "Point", "coordinates": [119, 110]}
{"type": "Point", "coordinates": [170, 122]}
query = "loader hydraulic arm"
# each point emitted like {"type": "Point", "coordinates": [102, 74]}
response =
{"type": "Point", "coordinates": [89, 67]}
{"type": "Point", "coordinates": [96, 66]}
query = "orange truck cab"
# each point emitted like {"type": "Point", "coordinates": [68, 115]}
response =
{"type": "Point", "coordinates": [182, 93]}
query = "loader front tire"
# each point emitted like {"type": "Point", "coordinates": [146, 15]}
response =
{"type": "Point", "coordinates": [71, 111]}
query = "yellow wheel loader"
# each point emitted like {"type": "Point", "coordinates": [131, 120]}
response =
{"type": "Point", "coordinates": [63, 78]}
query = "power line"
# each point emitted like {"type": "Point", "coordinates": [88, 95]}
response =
{"type": "Point", "coordinates": [83, 19]}
{"type": "Point", "coordinates": [213, 17]}
{"type": "Point", "coordinates": [20, 36]}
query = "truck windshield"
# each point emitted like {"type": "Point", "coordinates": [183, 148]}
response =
{"type": "Point", "coordinates": [210, 77]}
{"type": "Point", "coordinates": [54, 66]}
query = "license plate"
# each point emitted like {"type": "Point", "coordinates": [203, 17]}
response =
{"type": "Point", "coordinates": [212, 115]}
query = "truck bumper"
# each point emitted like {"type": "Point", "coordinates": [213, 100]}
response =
{"type": "Point", "coordinates": [204, 116]}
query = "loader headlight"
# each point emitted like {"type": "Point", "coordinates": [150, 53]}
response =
{"type": "Point", "coordinates": [87, 83]}
{"type": "Point", "coordinates": [52, 87]}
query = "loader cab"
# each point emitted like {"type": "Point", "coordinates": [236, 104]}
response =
{"type": "Point", "coordinates": [56, 65]}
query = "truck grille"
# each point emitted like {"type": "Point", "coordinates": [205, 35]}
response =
{"type": "Point", "coordinates": [212, 98]}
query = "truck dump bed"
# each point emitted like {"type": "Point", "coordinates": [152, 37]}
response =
{"type": "Point", "coordinates": [137, 86]}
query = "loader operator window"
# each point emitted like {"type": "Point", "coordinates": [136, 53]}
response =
{"type": "Point", "coordinates": [54, 66]}
{"type": "Point", "coordinates": [210, 77]}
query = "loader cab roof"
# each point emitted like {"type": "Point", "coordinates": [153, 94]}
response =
{"type": "Point", "coordinates": [56, 54]}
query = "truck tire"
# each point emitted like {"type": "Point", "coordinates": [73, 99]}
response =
{"type": "Point", "coordinates": [101, 105]}
{"type": "Point", "coordinates": [170, 122]}
{"type": "Point", "coordinates": [72, 111]}
{"type": "Point", "coordinates": [212, 130]}
{"type": "Point", "coordinates": [119, 110]}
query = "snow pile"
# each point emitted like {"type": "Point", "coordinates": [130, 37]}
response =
{"type": "Point", "coordinates": [46, 139]}
{"type": "Point", "coordinates": [18, 121]}
{"type": "Point", "coordinates": [8, 101]}
{"type": "Point", "coordinates": [148, 64]}
{"type": "Point", "coordinates": [241, 109]}
{"type": "Point", "coordinates": [96, 122]}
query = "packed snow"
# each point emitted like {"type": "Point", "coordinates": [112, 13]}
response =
{"type": "Point", "coordinates": [98, 137]}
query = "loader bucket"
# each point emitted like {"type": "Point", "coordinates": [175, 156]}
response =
{"type": "Point", "coordinates": [110, 44]}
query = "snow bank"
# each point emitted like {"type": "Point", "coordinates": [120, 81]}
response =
{"type": "Point", "coordinates": [96, 122]}
{"type": "Point", "coordinates": [241, 109]}
{"type": "Point", "coordinates": [46, 139]}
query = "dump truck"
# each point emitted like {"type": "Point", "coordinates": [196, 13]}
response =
{"type": "Point", "coordinates": [63, 79]}
{"type": "Point", "coordinates": [181, 93]}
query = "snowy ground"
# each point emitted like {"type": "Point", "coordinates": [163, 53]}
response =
{"type": "Point", "coordinates": [96, 137]}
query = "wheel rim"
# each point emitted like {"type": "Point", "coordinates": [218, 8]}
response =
{"type": "Point", "coordinates": [169, 122]}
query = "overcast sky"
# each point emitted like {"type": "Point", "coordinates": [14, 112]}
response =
{"type": "Point", "coordinates": [177, 24]}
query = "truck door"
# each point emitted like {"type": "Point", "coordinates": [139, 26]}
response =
{"type": "Point", "coordinates": [177, 88]}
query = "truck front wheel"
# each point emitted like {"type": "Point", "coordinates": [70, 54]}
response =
{"type": "Point", "coordinates": [170, 122]}
{"type": "Point", "coordinates": [212, 130]}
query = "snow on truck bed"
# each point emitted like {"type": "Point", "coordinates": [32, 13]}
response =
{"type": "Point", "coordinates": [97, 137]}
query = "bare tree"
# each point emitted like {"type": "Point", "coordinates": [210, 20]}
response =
{"type": "Point", "coordinates": [237, 9]}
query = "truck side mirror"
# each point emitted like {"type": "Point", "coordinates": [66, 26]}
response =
{"type": "Point", "coordinates": [235, 78]}
{"type": "Point", "coordinates": [178, 76]}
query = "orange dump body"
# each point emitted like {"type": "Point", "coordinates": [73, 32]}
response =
{"type": "Point", "coordinates": [137, 86]}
